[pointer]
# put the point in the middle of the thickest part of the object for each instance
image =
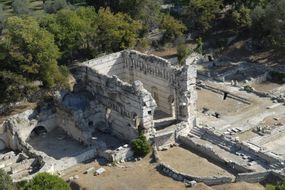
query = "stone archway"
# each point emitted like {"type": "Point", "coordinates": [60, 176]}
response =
{"type": "Point", "coordinates": [39, 130]}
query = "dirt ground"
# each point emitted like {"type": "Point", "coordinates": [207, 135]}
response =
{"type": "Point", "coordinates": [137, 176]}
{"type": "Point", "coordinates": [187, 162]}
{"type": "Point", "coordinates": [266, 86]}
{"type": "Point", "coordinates": [239, 186]}
{"type": "Point", "coordinates": [215, 102]}
{"type": "Point", "coordinates": [128, 176]}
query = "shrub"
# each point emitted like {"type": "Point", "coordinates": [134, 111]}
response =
{"type": "Point", "coordinates": [21, 7]}
{"type": "Point", "coordinates": [6, 181]}
{"type": "Point", "coordinates": [45, 181]}
{"type": "Point", "coordinates": [51, 6]}
{"type": "Point", "coordinates": [141, 146]}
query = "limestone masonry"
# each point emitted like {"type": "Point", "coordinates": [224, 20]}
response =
{"type": "Point", "coordinates": [115, 98]}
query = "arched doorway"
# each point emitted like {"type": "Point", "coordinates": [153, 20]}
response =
{"type": "Point", "coordinates": [39, 130]}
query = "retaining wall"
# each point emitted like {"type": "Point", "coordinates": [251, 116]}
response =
{"type": "Point", "coordinates": [179, 176]}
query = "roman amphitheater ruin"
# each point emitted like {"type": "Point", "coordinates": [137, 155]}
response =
{"type": "Point", "coordinates": [231, 114]}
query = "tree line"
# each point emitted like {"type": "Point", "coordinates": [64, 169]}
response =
{"type": "Point", "coordinates": [36, 50]}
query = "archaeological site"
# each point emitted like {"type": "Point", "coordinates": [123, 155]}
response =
{"type": "Point", "coordinates": [208, 121]}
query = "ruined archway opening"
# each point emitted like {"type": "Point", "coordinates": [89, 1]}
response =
{"type": "Point", "coordinates": [39, 131]}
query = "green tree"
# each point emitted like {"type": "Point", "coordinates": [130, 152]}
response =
{"type": "Point", "coordinates": [2, 17]}
{"type": "Point", "coordinates": [203, 12]}
{"type": "Point", "coordinates": [199, 47]}
{"type": "Point", "coordinates": [52, 6]}
{"type": "Point", "coordinates": [268, 24]}
{"type": "Point", "coordinates": [116, 31]}
{"type": "Point", "coordinates": [141, 146]}
{"type": "Point", "coordinates": [14, 87]}
{"type": "Point", "coordinates": [45, 181]}
{"type": "Point", "coordinates": [29, 50]}
{"type": "Point", "coordinates": [148, 11]}
{"type": "Point", "coordinates": [74, 30]}
{"type": "Point", "coordinates": [5, 180]}
{"type": "Point", "coordinates": [241, 18]}
{"type": "Point", "coordinates": [21, 7]}
{"type": "Point", "coordinates": [183, 51]}
{"type": "Point", "coordinates": [171, 28]}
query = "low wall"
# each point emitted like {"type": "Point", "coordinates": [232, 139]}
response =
{"type": "Point", "coordinates": [120, 154]}
{"type": "Point", "coordinates": [254, 177]}
{"type": "Point", "coordinates": [164, 139]}
{"type": "Point", "coordinates": [267, 157]}
{"type": "Point", "coordinates": [207, 151]}
{"type": "Point", "coordinates": [212, 180]}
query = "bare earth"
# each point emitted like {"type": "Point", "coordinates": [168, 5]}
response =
{"type": "Point", "coordinates": [239, 186]}
{"type": "Point", "coordinates": [215, 102]}
{"type": "Point", "coordinates": [135, 176]}
{"type": "Point", "coordinates": [187, 162]}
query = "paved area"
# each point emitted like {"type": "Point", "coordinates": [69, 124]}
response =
{"type": "Point", "coordinates": [57, 144]}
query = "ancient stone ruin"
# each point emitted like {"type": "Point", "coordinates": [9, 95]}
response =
{"type": "Point", "coordinates": [115, 98]}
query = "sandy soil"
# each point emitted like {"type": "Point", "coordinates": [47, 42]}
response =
{"type": "Point", "coordinates": [137, 176]}
{"type": "Point", "coordinates": [215, 102]}
{"type": "Point", "coordinates": [187, 162]}
{"type": "Point", "coordinates": [133, 176]}
{"type": "Point", "coordinates": [239, 186]}
{"type": "Point", "coordinates": [265, 86]}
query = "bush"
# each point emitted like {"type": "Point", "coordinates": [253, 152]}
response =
{"type": "Point", "coordinates": [6, 181]}
{"type": "Point", "coordinates": [141, 146]}
{"type": "Point", "coordinates": [21, 7]}
{"type": "Point", "coordinates": [183, 52]}
{"type": "Point", "coordinates": [51, 6]}
{"type": "Point", "coordinates": [14, 87]}
{"type": "Point", "coordinates": [45, 181]}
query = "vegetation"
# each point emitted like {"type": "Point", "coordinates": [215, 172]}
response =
{"type": "Point", "coordinates": [6, 181]}
{"type": "Point", "coordinates": [268, 26]}
{"type": "Point", "coordinates": [45, 181]}
{"type": "Point", "coordinates": [30, 51]}
{"type": "Point", "coordinates": [41, 38]}
{"type": "Point", "coordinates": [141, 146]}
{"type": "Point", "coordinates": [21, 7]}
{"type": "Point", "coordinates": [183, 51]}
{"type": "Point", "coordinates": [203, 12]}
{"type": "Point", "coordinates": [52, 6]}
{"type": "Point", "coordinates": [171, 28]}
{"type": "Point", "coordinates": [279, 186]}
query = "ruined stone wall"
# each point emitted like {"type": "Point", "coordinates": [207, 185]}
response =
{"type": "Point", "coordinates": [172, 87]}
{"type": "Point", "coordinates": [128, 108]}
{"type": "Point", "coordinates": [127, 83]}
{"type": "Point", "coordinates": [157, 75]}
{"type": "Point", "coordinates": [66, 121]}
{"type": "Point", "coordinates": [179, 176]}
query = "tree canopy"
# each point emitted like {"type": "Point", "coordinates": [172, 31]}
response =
{"type": "Point", "coordinates": [29, 50]}
{"type": "Point", "coordinates": [45, 181]}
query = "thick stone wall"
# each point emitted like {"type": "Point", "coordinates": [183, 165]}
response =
{"type": "Point", "coordinates": [179, 176]}
{"type": "Point", "coordinates": [254, 177]}
{"type": "Point", "coordinates": [209, 152]}
{"type": "Point", "coordinates": [128, 108]}
{"type": "Point", "coordinates": [131, 85]}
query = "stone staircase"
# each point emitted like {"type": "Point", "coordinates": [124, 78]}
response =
{"type": "Point", "coordinates": [197, 132]}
